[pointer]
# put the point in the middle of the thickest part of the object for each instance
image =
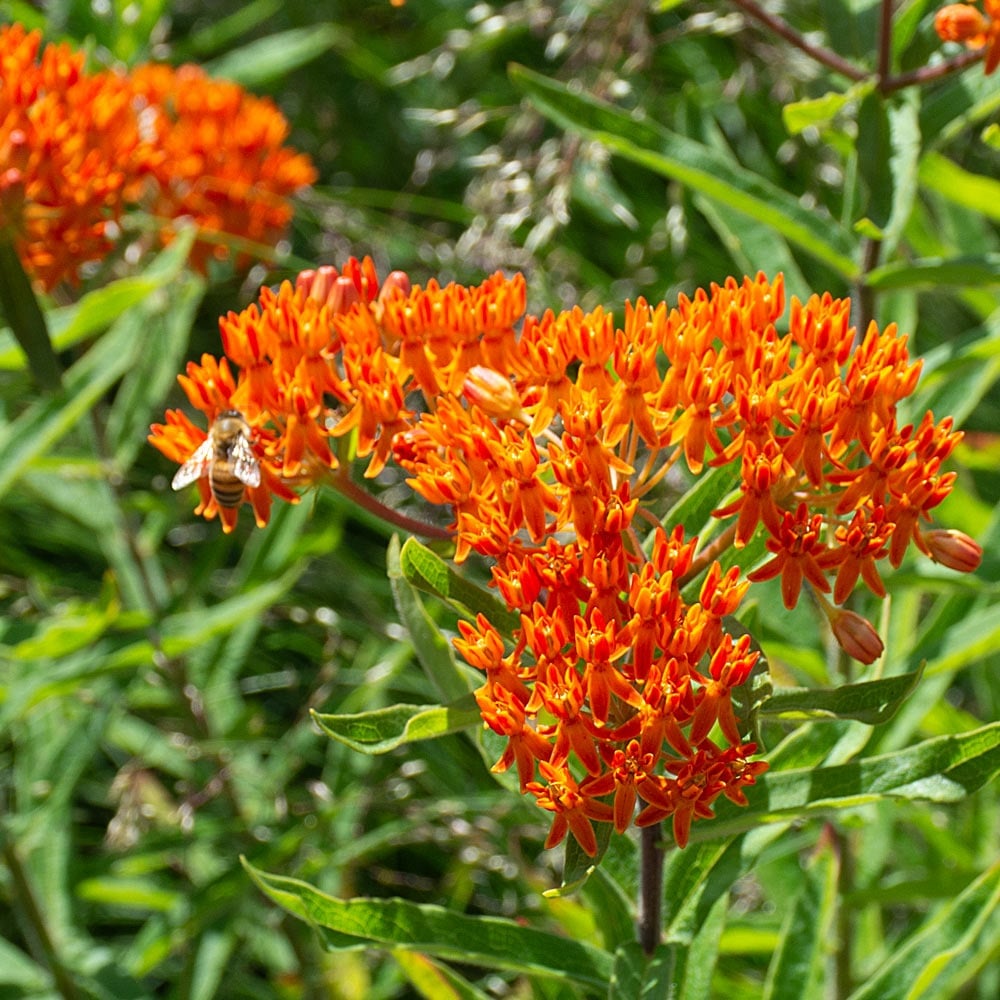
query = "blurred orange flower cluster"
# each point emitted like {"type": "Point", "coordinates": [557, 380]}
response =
{"type": "Point", "coordinates": [962, 22]}
{"type": "Point", "coordinates": [553, 440]}
{"type": "Point", "coordinates": [79, 148]}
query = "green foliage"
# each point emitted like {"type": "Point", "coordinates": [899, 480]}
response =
{"type": "Point", "coordinates": [167, 692]}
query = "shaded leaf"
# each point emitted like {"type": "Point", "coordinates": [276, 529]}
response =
{"type": "Point", "coordinates": [955, 942]}
{"type": "Point", "coordinates": [797, 969]}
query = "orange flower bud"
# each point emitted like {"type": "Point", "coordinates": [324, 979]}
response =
{"type": "Point", "coordinates": [492, 392]}
{"type": "Point", "coordinates": [856, 636]}
{"type": "Point", "coordinates": [960, 22]}
{"type": "Point", "coordinates": [397, 283]}
{"type": "Point", "coordinates": [954, 549]}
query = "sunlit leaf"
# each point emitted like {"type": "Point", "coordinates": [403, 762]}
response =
{"type": "Point", "coordinates": [384, 729]}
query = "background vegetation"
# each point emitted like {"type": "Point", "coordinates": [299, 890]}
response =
{"type": "Point", "coordinates": [156, 676]}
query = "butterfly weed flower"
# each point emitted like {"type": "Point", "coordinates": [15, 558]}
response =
{"type": "Point", "coordinates": [72, 152]}
{"type": "Point", "coordinates": [551, 441]}
{"type": "Point", "coordinates": [80, 149]}
{"type": "Point", "coordinates": [222, 160]}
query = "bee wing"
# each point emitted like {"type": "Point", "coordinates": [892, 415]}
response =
{"type": "Point", "coordinates": [196, 467]}
{"type": "Point", "coordinates": [246, 468]}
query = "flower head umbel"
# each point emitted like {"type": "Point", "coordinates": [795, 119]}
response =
{"type": "Point", "coordinates": [224, 164]}
{"type": "Point", "coordinates": [72, 155]}
{"type": "Point", "coordinates": [81, 148]}
{"type": "Point", "coordinates": [549, 439]}
{"type": "Point", "coordinates": [962, 22]}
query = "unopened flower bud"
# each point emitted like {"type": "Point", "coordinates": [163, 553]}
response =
{"type": "Point", "coordinates": [856, 636]}
{"type": "Point", "coordinates": [493, 392]}
{"type": "Point", "coordinates": [342, 295]}
{"type": "Point", "coordinates": [318, 282]}
{"type": "Point", "coordinates": [954, 549]}
{"type": "Point", "coordinates": [959, 22]}
{"type": "Point", "coordinates": [396, 284]}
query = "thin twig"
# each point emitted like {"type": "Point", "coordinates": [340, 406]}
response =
{"type": "Point", "coordinates": [927, 74]}
{"type": "Point", "coordinates": [818, 52]}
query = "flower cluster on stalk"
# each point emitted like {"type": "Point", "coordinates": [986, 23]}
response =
{"type": "Point", "coordinates": [80, 148]}
{"type": "Point", "coordinates": [552, 441]}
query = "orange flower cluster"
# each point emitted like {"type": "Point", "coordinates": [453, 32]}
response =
{"type": "Point", "coordinates": [962, 22]}
{"type": "Point", "coordinates": [71, 155]}
{"type": "Point", "coordinates": [550, 444]}
{"type": "Point", "coordinates": [78, 149]}
{"type": "Point", "coordinates": [223, 160]}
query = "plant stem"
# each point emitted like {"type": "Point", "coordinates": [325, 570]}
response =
{"type": "Point", "coordinates": [650, 888]}
{"type": "Point", "coordinates": [343, 484]}
{"type": "Point", "coordinates": [24, 894]}
{"type": "Point", "coordinates": [822, 55]}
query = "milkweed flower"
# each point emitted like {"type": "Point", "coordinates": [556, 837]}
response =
{"type": "Point", "coordinates": [79, 149]}
{"type": "Point", "coordinates": [962, 22]}
{"type": "Point", "coordinates": [549, 440]}
{"type": "Point", "coordinates": [222, 161]}
{"type": "Point", "coordinates": [72, 156]}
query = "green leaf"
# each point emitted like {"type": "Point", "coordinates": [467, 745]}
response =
{"type": "Point", "coordinates": [578, 866]}
{"type": "Point", "coordinates": [944, 769]}
{"type": "Point", "coordinates": [694, 508]}
{"type": "Point", "coordinates": [433, 980]}
{"type": "Point", "coordinates": [273, 57]}
{"type": "Point", "coordinates": [27, 321]}
{"type": "Point", "coordinates": [384, 729]}
{"type": "Point", "coordinates": [638, 977]}
{"type": "Point", "coordinates": [869, 701]}
{"type": "Point", "coordinates": [47, 420]}
{"type": "Point", "coordinates": [427, 571]}
{"type": "Point", "coordinates": [100, 308]}
{"type": "Point", "coordinates": [797, 970]}
{"type": "Point", "coordinates": [957, 375]}
{"type": "Point", "coordinates": [433, 650]}
{"type": "Point", "coordinates": [817, 112]}
{"type": "Point", "coordinates": [487, 941]}
{"type": "Point", "coordinates": [958, 940]}
{"type": "Point", "coordinates": [703, 169]}
{"type": "Point", "coordinates": [935, 272]}
{"type": "Point", "coordinates": [977, 192]}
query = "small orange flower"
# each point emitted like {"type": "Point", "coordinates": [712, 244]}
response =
{"type": "Point", "coordinates": [573, 810]}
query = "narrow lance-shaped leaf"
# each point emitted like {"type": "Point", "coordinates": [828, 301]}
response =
{"type": "Point", "coordinates": [427, 571]}
{"type": "Point", "coordinates": [641, 977]}
{"type": "Point", "coordinates": [870, 701]}
{"type": "Point", "coordinates": [944, 769]}
{"type": "Point", "coordinates": [797, 969]}
{"type": "Point", "coordinates": [27, 321]}
{"type": "Point", "coordinates": [954, 943]}
{"type": "Point", "coordinates": [491, 942]}
{"type": "Point", "coordinates": [433, 650]}
{"type": "Point", "coordinates": [384, 729]}
{"type": "Point", "coordinates": [700, 167]}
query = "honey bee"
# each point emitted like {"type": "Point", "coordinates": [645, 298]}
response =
{"type": "Point", "coordinates": [226, 457]}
